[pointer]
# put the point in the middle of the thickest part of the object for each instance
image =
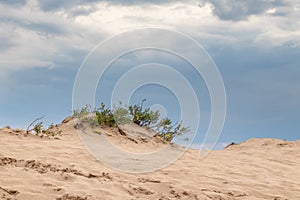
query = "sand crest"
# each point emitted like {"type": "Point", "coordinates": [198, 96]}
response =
{"type": "Point", "coordinates": [34, 167]}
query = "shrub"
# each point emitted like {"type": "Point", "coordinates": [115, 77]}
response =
{"type": "Point", "coordinates": [105, 116]}
{"type": "Point", "coordinates": [168, 131]}
{"type": "Point", "coordinates": [143, 117]}
{"type": "Point", "coordinates": [121, 115]}
{"type": "Point", "coordinates": [38, 128]}
{"type": "Point", "coordinates": [133, 113]}
{"type": "Point", "coordinates": [86, 115]}
{"type": "Point", "coordinates": [95, 117]}
{"type": "Point", "coordinates": [83, 112]}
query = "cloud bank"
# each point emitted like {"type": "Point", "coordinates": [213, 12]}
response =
{"type": "Point", "coordinates": [242, 9]}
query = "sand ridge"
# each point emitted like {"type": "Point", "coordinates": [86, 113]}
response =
{"type": "Point", "coordinates": [34, 167]}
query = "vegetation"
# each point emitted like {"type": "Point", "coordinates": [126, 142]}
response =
{"type": "Point", "coordinates": [36, 124]}
{"type": "Point", "coordinates": [105, 116]}
{"type": "Point", "coordinates": [37, 127]}
{"type": "Point", "coordinates": [168, 131]}
{"type": "Point", "coordinates": [121, 115]}
{"type": "Point", "coordinates": [83, 112]}
{"type": "Point", "coordinates": [143, 117]}
{"type": "Point", "coordinates": [86, 115]}
{"type": "Point", "coordinates": [133, 113]}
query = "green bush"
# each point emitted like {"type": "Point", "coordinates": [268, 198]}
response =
{"type": "Point", "coordinates": [86, 115]}
{"type": "Point", "coordinates": [83, 112]}
{"type": "Point", "coordinates": [143, 117]}
{"type": "Point", "coordinates": [121, 115]}
{"type": "Point", "coordinates": [38, 128]}
{"type": "Point", "coordinates": [168, 131]}
{"type": "Point", "coordinates": [133, 113]}
{"type": "Point", "coordinates": [105, 116]}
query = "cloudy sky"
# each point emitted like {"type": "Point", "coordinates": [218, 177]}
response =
{"type": "Point", "coordinates": [254, 43]}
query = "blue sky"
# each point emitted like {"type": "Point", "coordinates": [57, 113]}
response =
{"type": "Point", "coordinates": [255, 44]}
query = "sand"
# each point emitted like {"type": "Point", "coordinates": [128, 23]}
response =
{"type": "Point", "coordinates": [60, 167]}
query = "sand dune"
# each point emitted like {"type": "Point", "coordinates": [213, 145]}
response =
{"type": "Point", "coordinates": [60, 167]}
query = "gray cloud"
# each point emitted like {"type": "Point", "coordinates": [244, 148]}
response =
{"type": "Point", "coordinates": [48, 5]}
{"type": "Point", "coordinates": [5, 44]}
{"type": "Point", "coordinates": [82, 11]}
{"type": "Point", "coordinates": [14, 2]}
{"type": "Point", "coordinates": [47, 28]}
{"type": "Point", "coordinates": [242, 9]}
{"type": "Point", "coordinates": [42, 26]}
{"type": "Point", "coordinates": [224, 9]}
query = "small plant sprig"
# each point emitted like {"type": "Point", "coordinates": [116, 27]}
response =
{"type": "Point", "coordinates": [38, 128]}
{"type": "Point", "coordinates": [37, 125]}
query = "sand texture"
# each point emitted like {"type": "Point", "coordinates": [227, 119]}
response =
{"type": "Point", "coordinates": [60, 167]}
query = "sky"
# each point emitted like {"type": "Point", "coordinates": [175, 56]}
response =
{"type": "Point", "coordinates": [254, 44]}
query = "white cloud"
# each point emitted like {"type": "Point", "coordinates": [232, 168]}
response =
{"type": "Point", "coordinates": [118, 18]}
{"type": "Point", "coordinates": [39, 39]}
{"type": "Point", "coordinates": [33, 37]}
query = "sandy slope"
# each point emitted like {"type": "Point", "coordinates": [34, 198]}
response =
{"type": "Point", "coordinates": [61, 168]}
